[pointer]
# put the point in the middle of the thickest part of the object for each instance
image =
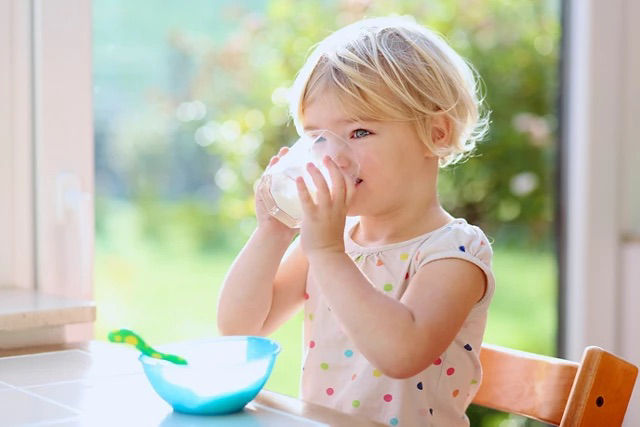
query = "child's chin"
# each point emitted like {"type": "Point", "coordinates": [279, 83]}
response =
{"type": "Point", "coordinates": [354, 208]}
{"type": "Point", "coordinates": [353, 211]}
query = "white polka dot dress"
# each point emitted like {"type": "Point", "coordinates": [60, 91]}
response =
{"type": "Point", "coordinates": [337, 375]}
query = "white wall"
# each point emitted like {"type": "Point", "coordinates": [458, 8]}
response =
{"type": "Point", "coordinates": [630, 201]}
{"type": "Point", "coordinates": [602, 121]}
{"type": "Point", "coordinates": [16, 220]}
{"type": "Point", "coordinates": [64, 146]}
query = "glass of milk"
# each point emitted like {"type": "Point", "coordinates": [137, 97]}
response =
{"type": "Point", "coordinates": [278, 186]}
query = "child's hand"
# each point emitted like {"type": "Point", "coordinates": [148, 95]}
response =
{"type": "Point", "coordinates": [323, 221]}
{"type": "Point", "coordinates": [265, 220]}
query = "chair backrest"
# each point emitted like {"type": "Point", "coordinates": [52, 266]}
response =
{"type": "Point", "coordinates": [594, 392]}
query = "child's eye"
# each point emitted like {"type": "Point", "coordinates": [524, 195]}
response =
{"type": "Point", "coordinates": [360, 133]}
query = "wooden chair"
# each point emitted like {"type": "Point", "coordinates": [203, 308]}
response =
{"type": "Point", "coordinates": [594, 392]}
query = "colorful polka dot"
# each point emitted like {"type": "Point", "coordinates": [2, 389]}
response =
{"type": "Point", "coordinates": [330, 391]}
{"type": "Point", "coordinates": [404, 256]}
{"type": "Point", "coordinates": [393, 421]}
{"type": "Point", "coordinates": [455, 393]}
{"type": "Point", "coordinates": [355, 403]}
{"type": "Point", "coordinates": [437, 361]}
{"type": "Point", "coordinates": [406, 276]}
{"type": "Point", "coordinates": [306, 295]}
{"type": "Point", "coordinates": [324, 366]}
{"type": "Point", "coordinates": [450, 371]}
{"type": "Point", "coordinates": [420, 385]}
{"type": "Point", "coordinates": [462, 249]}
{"type": "Point", "coordinates": [310, 316]}
{"type": "Point", "coordinates": [388, 287]}
{"type": "Point", "coordinates": [379, 263]}
{"type": "Point", "coordinates": [387, 398]}
{"type": "Point", "coordinates": [348, 353]}
{"type": "Point", "coordinates": [467, 347]}
{"type": "Point", "coordinates": [377, 373]}
{"type": "Point", "coordinates": [474, 382]}
{"type": "Point", "coordinates": [312, 344]}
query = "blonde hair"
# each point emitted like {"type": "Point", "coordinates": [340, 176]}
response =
{"type": "Point", "coordinates": [392, 68]}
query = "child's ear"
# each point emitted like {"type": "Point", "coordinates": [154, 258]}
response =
{"type": "Point", "coordinates": [440, 129]}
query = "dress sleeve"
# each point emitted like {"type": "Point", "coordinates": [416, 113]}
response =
{"type": "Point", "coordinates": [463, 241]}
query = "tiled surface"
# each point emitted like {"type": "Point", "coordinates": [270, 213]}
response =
{"type": "Point", "coordinates": [62, 422]}
{"type": "Point", "coordinates": [103, 387]}
{"type": "Point", "coordinates": [44, 368]}
{"type": "Point", "coordinates": [19, 408]}
{"type": "Point", "coordinates": [122, 397]}
{"type": "Point", "coordinates": [66, 365]}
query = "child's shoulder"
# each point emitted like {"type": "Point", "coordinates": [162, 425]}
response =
{"type": "Point", "coordinates": [456, 238]}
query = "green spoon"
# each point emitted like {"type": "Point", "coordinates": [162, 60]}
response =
{"type": "Point", "coordinates": [127, 336]}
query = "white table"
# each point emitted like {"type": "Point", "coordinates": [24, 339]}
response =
{"type": "Point", "coordinates": [98, 383]}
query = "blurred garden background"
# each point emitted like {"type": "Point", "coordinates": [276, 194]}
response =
{"type": "Point", "coordinates": [189, 105]}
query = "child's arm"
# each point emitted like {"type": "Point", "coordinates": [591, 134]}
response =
{"type": "Point", "coordinates": [245, 298]}
{"type": "Point", "coordinates": [401, 338]}
{"type": "Point", "coordinates": [289, 289]}
{"type": "Point", "coordinates": [261, 290]}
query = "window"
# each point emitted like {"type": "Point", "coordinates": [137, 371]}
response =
{"type": "Point", "coordinates": [158, 111]}
{"type": "Point", "coordinates": [189, 106]}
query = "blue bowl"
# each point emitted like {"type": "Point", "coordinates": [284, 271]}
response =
{"type": "Point", "coordinates": [222, 375]}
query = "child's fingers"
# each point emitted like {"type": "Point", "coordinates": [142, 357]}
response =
{"type": "Point", "coordinates": [258, 185]}
{"type": "Point", "coordinates": [350, 188]}
{"type": "Point", "coordinates": [338, 189]}
{"type": "Point", "coordinates": [281, 152]}
{"type": "Point", "coordinates": [303, 194]}
{"type": "Point", "coordinates": [323, 194]}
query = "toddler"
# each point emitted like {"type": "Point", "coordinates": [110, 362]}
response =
{"type": "Point", "coordinates": [395, 290]}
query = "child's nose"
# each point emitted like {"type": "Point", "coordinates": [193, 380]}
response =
{"type": "Point", "coordinates": [346, 163]}
{"type": "Point", "coordinates": [342, 160]}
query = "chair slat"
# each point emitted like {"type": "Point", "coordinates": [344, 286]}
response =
{"type": "Point", "coordinates": [601, 392]}
{"type": "Point", "coordinates": [525, 383]}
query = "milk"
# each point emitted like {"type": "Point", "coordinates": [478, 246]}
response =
{"type": "Point", "coordinates": [279, 189]}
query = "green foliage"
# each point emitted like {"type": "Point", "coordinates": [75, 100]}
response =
{"type": "Point", "coordinates": [226, 99]}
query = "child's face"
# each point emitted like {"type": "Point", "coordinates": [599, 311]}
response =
{"type": "Point", "coordinates": [395, 166]}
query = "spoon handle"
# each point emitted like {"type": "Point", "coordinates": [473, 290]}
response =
{"type": "Point", "coordinates": [127, 336]}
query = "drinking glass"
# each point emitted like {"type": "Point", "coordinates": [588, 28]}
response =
{"type": "Point", "coordinates": [278, 186]}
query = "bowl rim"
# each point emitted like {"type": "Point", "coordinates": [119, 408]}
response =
{"type": "Point", "coordinates": [148, 360]}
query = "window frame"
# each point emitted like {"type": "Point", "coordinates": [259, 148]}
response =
{"type": "Point", "coordinates": [46, 142]}
{"type": "Point", "coordinates": [17, 255]}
